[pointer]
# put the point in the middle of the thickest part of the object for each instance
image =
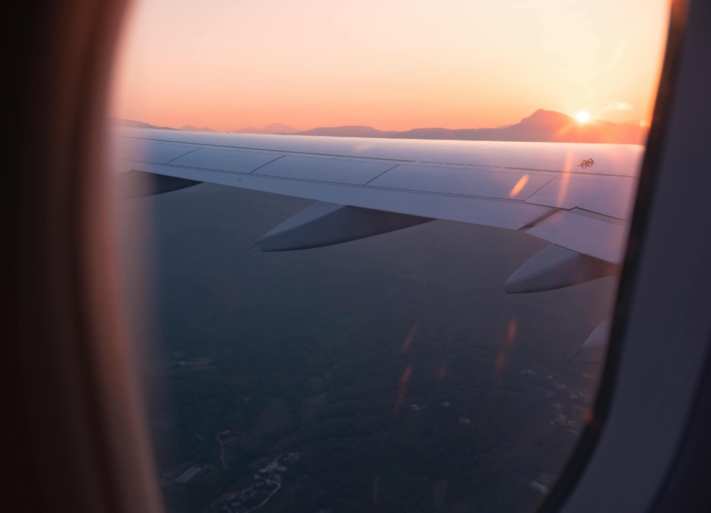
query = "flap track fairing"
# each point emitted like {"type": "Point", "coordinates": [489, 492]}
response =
{"type": "Point", "coordinates": [556, 267]}
{"type": "Point", "coordinates": [325, 224]}
{"type": "Point", "coordinates": [594, 349]}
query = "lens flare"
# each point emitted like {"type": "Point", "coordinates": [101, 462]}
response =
{"type": "Point", "coordinates": [519, 185]}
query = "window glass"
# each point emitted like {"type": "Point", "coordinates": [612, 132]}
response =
{"type": "Point", "coordinates": [426, 330]}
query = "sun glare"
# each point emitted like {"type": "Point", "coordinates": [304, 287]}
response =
{"type": "Point", "coordinates": [326, 63]}
{"type": "Point", "coordinates": [583, 116]}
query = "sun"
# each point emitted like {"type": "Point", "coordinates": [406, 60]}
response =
{"type": "Point", "coordinates": [583, 116]}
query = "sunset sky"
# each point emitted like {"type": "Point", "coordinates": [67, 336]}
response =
{"type": "Point", "coordinates": [390, 64]}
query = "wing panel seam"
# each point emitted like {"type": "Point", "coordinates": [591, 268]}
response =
{"type": "Point", "coordinates": [545, 215]}
{"type": "Point", "coordinates": [339, 184]}
{"type": "Point", "coordinates": [260, 167]}
{"type": "Point", "coordinates": [381, 174]}
{"type": "Point", "coordinates": [381, 159]}
{"type": "Point", "coordinates": [269, 150]}
{"type": "Point", "coordinates": [181, 156]}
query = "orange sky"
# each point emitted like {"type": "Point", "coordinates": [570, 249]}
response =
{"type": "Point", "coordinates": [391, 64]}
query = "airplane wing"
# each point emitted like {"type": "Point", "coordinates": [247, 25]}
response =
{"type": "Point", "coordinates": [576, 196]}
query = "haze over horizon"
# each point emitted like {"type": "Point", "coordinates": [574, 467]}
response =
{"type": "Point", "coordinates": [541, 126]}
{"type": "Point", "coordinates": [395, 66]}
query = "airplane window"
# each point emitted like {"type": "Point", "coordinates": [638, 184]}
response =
{"type": "Point", "coordinates": [370, 248]}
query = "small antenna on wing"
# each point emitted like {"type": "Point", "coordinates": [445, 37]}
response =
{"type": "Point", "coordinates": [254, 245]}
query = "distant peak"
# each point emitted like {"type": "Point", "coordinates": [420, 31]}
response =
{"type": "Point", "coordinates": [280, 128]}
{"type": "Point", "coordinates": [273, 128]}
{"type": "Point", "coordinates": [130, 123]}
{"type": "Point", "coordinates": [348, 131]}
{"type": "Point", "coordinates": [547, 116]}
{"type": "Point", "coordinates": [191, 128]}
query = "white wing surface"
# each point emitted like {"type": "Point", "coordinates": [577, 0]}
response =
{"type": "Point", "coordinates": [577, 196]}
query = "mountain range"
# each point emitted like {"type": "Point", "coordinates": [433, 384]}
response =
{"type": "Point", "coordinates": [541, 126]}
{"type": "Point", "coordinates": [130, 123]}
{"type": "Point", "coordinates": [274, 128]}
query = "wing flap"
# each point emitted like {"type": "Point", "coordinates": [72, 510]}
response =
{"type": "Point", "coordinates": [325, 169]}
{"type": "Point", "coordinates": [513, 215]}
{"type": "Point", "coordinates": [590, 234]}
{"type": "Point", "coordinates": [236, 161]}
{"type": "Point", "coordinates": [617, 203]}
{"type": "Point", "coordinates": [569, 190]}
{"type": "Point", "coordinates": [488, 183]}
